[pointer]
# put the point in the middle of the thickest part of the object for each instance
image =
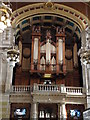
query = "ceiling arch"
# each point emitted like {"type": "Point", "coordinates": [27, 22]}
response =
{"type": "Point", "coordinates": [51, 15]}
{"type": "Point", "coordinates": [41, 8]}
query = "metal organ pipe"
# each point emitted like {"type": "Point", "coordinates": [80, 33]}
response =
{"type": "Point", "coordinates": [60, 51]}
{"type": "Point", "coordinates": [35, 50]}
{"type": "Point", "coordinates": [48, 51]}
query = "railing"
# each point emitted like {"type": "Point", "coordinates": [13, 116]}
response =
{"type": "Point", "coordinates": [21, 88]}
{"type": "Point", "coordinates": [48, 89]}
{"type": "Point", "coordinates": [74, 90]}
{"type": "Point", "coordinates": [58, 88]}
{"type": "Point", "coordinates": [42, 88]}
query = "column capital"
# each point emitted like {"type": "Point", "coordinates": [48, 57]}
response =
{"type": "Point", "coordinates": [11, 64]}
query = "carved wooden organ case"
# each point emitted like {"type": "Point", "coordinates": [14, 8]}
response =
{"type": "Point", "coordinates": [48, 56]}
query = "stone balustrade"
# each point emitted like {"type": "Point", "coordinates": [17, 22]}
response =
{"type": "Point", "coordinates": [54, 88]}
{"type": "Point", "coordinates": [74, 90]}
{"type": "Point", "coordinates": [48, 88]}
{"type": "Point", "coordinates": [21, 88]}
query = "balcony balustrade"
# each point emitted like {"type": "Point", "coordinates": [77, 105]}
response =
{"type": "Point", "coordinates": [47, 88]}
{"type": "Point", "coordinates": [74, 90]}
{"type": "Point", "coordinates": [40, 88]}
{"type": "Point", "coordinates": [21, 88]}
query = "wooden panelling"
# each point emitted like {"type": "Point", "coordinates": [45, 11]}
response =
{"type": "Point", "coordinates": [22, 78]}
{"type": "Point", "coordinates": [73, 78]}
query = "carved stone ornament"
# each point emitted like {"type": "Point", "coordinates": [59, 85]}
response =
{"type": "Point", "coordinates": [85, 56]}
{"type": "Point", "coordinates": [49, 5]}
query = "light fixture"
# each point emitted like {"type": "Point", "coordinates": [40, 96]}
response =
{"type": "Point", "coordinates": [13, 54]}
{"type": "Point", "coordinates": [5, 16]}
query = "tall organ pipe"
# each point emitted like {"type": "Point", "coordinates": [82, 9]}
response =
{"type": "Point", "coordinates": [48, 52]}
{"type": "Point", "coordinates": [35, 50]}
{"type": "Point", "coordinates": [60, 51]}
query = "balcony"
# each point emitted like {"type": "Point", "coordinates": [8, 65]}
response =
{"type": "Point", "coordinates": [40, 88]}
{"type": "Point", "coordinates": [48, 94]}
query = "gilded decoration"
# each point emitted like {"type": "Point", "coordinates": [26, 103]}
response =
{"type": "Point", "coordinates": [49, 5]}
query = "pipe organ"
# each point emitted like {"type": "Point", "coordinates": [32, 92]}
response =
{"type": "Point", "coordinates": [48, 55]}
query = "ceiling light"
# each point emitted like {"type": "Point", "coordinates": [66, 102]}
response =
{"type": "Point", "coordinates": [5, 16]}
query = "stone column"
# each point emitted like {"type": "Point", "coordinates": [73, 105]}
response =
{"type": "Point", "coordinates": [83, 75]}
{"type": "Point", "coordinates": [4, 107]}
{"type": "Point", "coordinates": [0, 74]}
{"type": "Point", "coordinates": [89, 77]}
{"type": "Point", "coordinates": [3, 63]}
{"type": "Point", "coordinates": [9, 77]}
{"type": "Point", "coordinates": [86, 82]}
{"type": "Point", "coordinates": [63, 111]}
{"type": "Point", "coordinates": [84, 53]}
{"type": "Point", "coordinates": [88, 85]}
{"type": "Point", "coordinates": [34, 111]}
{"type": "Point", "coordinates": [59, 112]}
{"type": "Point", "coordinates": [86, 79]}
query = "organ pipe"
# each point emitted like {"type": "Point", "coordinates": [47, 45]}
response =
{"type": "Point", "coordinates": [48, 51]}
{"type": "Point", "coordinates": [60, 51]}
{"type": "Point", "coordinates": [35, 50]}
